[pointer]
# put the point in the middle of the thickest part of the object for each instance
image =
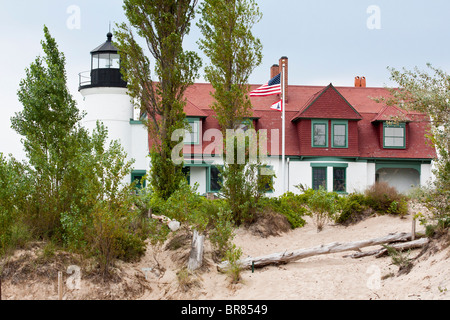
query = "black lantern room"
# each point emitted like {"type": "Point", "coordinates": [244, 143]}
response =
{"type": "Point", "coordinates": [105, 67]}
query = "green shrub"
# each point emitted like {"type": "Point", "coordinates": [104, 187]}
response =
{"type": "Point", "coordinates": [323, 206]}
{"type": "Point", "coordinates": [233, 257]}
{"type": "Point", "coordinates": [289, 205]}
{"type": "Point", "coordinates": [222, 234]}
{"type": "Point", "coordinates": [386, 199]}
{"type": "Point", "coordinates": [351, 207]}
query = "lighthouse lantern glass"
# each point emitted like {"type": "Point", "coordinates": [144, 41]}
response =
{"type": "Point", "coordinates": [106, 61]}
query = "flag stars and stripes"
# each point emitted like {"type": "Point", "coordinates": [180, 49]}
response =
{"type": "Point", "coordinates": [272, 87]}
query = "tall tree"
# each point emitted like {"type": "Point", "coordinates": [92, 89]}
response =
{"type": "Point", "coordinates": [234, 52]}
{"type": "Point", "coordinates": [47, 123]}
{"type": "Point", "coordinates": [162, 24]}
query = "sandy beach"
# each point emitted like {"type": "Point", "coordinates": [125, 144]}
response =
{"type": "Point", "coordinates": [331, 276]}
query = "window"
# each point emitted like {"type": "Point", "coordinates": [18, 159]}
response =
{"type": "Point", "coordinates": [319, 177]}
{"type": "Point", "coordinates": [193, 134]}
{"type": "Point", "coordinates": [319, 133]}
{"type": "Point", "coordinates": [339, 179]}
{"type": "Point", "coordinates": [339, 133]}
{"type": "Point", "coordinates": [394, 136]}
{"type": "Point", "coordinates": [187, 173]}
{"type": "Point", "coordinates": [244, 125]}
{"type": "Point", "coordinates": [215, 179]}
{"type": "Point", "coordinates": [265, 179]}
{"type": "Point", "coordinates": [138, 176]}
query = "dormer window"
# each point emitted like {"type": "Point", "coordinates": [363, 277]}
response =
{"type": "Point", "coordinates": [192, 136]}
{"type": "Point", "coordinates": [394, 135]}
{"type": "Point", "coordinates": [319, 133]}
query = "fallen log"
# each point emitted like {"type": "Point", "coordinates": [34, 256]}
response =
{"type": "Point", "coordinates": [399, 246]}
{"type": "Point", "coordinates": [286, 257]}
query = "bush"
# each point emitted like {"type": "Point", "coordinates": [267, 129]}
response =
{"type": "Point", "coordinates": [323, 206]}
{"type": "Point", "coordinates": [352, 208]}
{"type": "Point", "coordinates": [288, 205]}
{"type": "Point", "coordinates": [233, 256]}
{"type": "Point", "coordinates": [222, 235]}
{"type": "Point", "coordinates": [386, 199]}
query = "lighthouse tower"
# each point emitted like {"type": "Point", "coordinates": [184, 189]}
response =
{"type": "Point", "coordinates": [105, 99]}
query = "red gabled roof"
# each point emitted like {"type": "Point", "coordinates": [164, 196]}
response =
{"type": "Point", "coordinates": [192, 110]}
{"type": "Point", "coordinates": [389, 113]}
{"type": "Point", "coordinates": [352, 103]}
{"type": "Point", "coordinates": [328, 103]}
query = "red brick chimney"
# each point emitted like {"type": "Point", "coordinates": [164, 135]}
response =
{"type": "Point", "coordinates": [284, 61]}
{"type": "Point", "coordinates": [360, 82]}
{"type": "Point", "coordinates": [363, 82]}
{"type": "Point", "coordinates": [274, 71]}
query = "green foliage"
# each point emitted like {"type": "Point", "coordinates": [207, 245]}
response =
{"type": "Point", "coordinates": [48, 124]}
{"type": "Point", "coordinates": [234, 52]}
{"type": "Point", "coordinates": [398, 258]}
{"type": "Point", "coordinates": [242, 188]}
{"type": "Point", "coordinates": [222, 234]}
{"type": "Point", "coordinates": [386, 199]}
{"type": "Point", "coordinates": [289, 205]}
{"type": "Point", "coordinates": [352, 208]}
{"type": "Point", "coordinates": [234, 269]}
{"type": "Point", "coordinates": [71, 191]}
{"type": "Point", "coordinates": [427, 92]}
{"type": "Point", "coordinates": [162, 25]}
{"type": "Point", "coordinates": [323, 206]}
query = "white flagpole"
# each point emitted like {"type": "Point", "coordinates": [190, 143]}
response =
{"type": "Point", "coordinates": [283, 131]}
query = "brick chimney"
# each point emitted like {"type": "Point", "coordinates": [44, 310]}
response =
{"type": "Point", "coordinates": [363, 82]}
{"type": "Point", "coordinates": [360, 82]}
{"type": "Point", "coordinates": [284, 60]}
{"type": "Point", "coordinates": [274, 71]}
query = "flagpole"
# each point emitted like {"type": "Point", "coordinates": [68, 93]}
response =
{"type": "Point", "coordinates": [283, 130]}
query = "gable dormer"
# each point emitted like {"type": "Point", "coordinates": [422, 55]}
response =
{"type": "Point", "coordinates": [327, 125]}
{"type": "Point", "coordinates": [330, 104]}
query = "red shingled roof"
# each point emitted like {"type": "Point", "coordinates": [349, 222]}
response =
{"type": "Point", "coordinates": [389, 113]}
{"type": "Point", "coordinates": [329, 102]}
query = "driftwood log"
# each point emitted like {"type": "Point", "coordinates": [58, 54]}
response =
{"type": "Point", "coordinates": [196, 256]}
{"type": "Point", "coordinates": [398, 246]}
{"type": "Point", "coordinates": [286, 257]}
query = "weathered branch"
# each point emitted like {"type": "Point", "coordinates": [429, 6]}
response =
{"type": "Point", "coordinates": [286, 257]}
{"type": "Point", "coordinates": [399, 246]}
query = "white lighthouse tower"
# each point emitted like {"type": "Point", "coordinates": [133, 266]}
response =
{"type": "Point", "coordinates": [105, 99]}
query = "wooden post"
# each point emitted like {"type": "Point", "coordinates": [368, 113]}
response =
{"type": "Point", "coordinates": [60, 285]}
{"type": "Point", "coordinates": [413, 232]}
{"type": "Point", "coordinates": [196, 255]}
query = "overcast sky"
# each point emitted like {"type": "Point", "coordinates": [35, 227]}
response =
{"type": "Point", "coordinates": [325, 40]}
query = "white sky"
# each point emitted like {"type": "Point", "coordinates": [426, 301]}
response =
{"type": "Point", "coordinates": [325, 40]}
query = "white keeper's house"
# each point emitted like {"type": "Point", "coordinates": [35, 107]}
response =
{"type": "Point", "coordinates": [336, 137]}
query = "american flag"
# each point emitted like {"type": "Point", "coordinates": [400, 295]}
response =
{"type": "Point", "coordinates": [270, 88]}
